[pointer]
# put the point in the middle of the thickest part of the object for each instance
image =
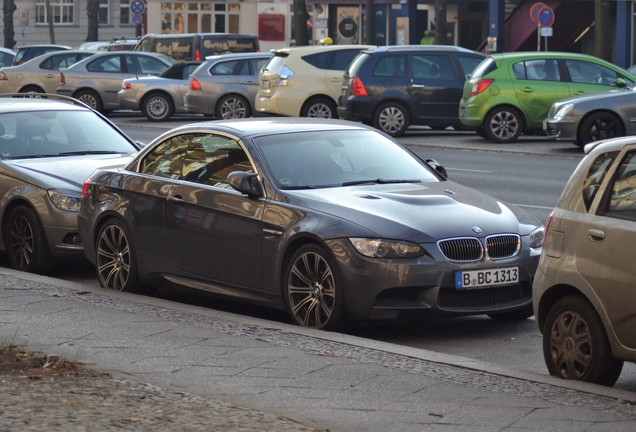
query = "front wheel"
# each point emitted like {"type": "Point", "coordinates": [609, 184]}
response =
{"type": "Point", "coordinates": [599, 126]}
{"type": "Point", "coordinates": [158, 107]}
{"type": "Point", "coordinates": [115, 259]}
{"type": "Point", "coordinates": [25, 242]}
{"type": "Point", "coordinates": [392, 118]}
{"type": "Point", "coordinates": [312, 290]}
{"type": "Point", "coordinates": [503, 125]}
{"type": "Point", "coordinates": [575, 345]}
{"type": "Point", "coordinates": [233, 107]}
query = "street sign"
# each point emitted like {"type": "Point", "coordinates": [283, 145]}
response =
{"type": "Point", "coordinates": [546, 16]}
{"type": "Point", "coordinates": [137, 19]}
{"type": "Point", "coordinates": [137, 7]}
{"type": "Point", "coordinates": [534, 11]}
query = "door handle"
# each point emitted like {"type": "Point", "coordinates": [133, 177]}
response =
{"type": "Point", "coordinates": [527, 89]}
{"type": "Point", "coordinates": [596, 235]}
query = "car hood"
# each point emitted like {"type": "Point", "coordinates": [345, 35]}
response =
{"type": "Point", "coordinates": [67, 172]}
{"type": "Point", "coordinates": [419, 212]}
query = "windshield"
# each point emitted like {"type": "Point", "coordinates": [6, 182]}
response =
{"type": "Point", "coordinates": [339, 158]}
{"type": "Point", "coordinates": [58, 133]}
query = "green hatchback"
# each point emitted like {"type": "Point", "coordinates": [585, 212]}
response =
{"type": "Point", "coordinates": [511, 93]}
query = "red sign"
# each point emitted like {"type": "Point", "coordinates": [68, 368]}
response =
{"type": "Point", "coordinates": [534, 11]}
{"type": "Point", "coordinates": [271, 27]}
{"type": "Point", "coordinates": [546, 16]}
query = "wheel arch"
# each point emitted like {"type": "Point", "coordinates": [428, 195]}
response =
{"type": "Point", "coordinates": [233, 93]}
{"type": "Point", "coordinates": [149, 93]}
{"type": "Point", "coordinates": [317, 96]}
{"type": "Point", "coordinates": [25, 87]}
{"type": "Point", "coordinates": [397, 101]}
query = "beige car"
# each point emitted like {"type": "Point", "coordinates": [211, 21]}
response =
{"type": "Point", "coordinates": [304, 81]}
{"type": "Point", "coordinates": [584, 291]}
{"type": "Point", "coordinates": [40, 74]}
{"type": "Point", "coordinates": [97, 80]}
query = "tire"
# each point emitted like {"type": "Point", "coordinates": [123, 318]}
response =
{"type": "Point", "coordinates": [158, 107]}
{"type": "Point", "coordinates": [392, 118]}
{"type": "Point", "coordinates": [32, 89]}
{"type": "Point", "coordinates": [480, 131]}
{"type": "Point", "coordinates": [503, 125]}
{"type": "Point", "coordinates": [319, 107]}
{"type": "Point", "coordinates": [516, 315]}
{"type": "Point", "coordinates": [25, 242]}
{"type": "Point", "coordinates": [233, 107]}
{"type": "Point", "coordinates": [575, 344]}
{"type": "Point", "coordinates": [599, 126]}
{"type": "Point", "coordinates": [115, 258]}
{"type": "Point", "coordinates": [91, 99]}
{"type": "Point", "coordinates": [313, 293]}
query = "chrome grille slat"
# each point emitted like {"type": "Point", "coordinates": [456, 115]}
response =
{"type": "Point", "coordinates": [503, 245]}
{"type": "Point", "coordinates": [467, 249]}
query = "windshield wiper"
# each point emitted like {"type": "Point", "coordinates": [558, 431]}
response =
{"type": "Point", "coordinates": [89, 152]}
{"type": "Point", "coordinates": [378, 181]}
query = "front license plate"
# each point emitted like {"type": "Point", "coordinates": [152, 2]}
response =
{"type": "Point", "coordinates": [486, 278]}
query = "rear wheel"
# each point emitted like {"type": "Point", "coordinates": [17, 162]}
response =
{"type": "Point", "coordinates": [233, 107]}
{"type": "Point", "coordinates": [599, 126]}
{"type": "Point", "coordinates": [575, 344]}
{"type": "Point", "coordinates": [392, 118]}
{"type": "Point", "coordinates": [91, 99]}
{"type": "Point", "coordinates": [158, 107]}
{"type": "Point", "coordinates": [319, 107]}
{"type": "Point", "coordinates": [32, 89]}
{"type": "Point", "coordinates": [115, 259]}
{"type": "Point", "coordinates": [25, 242]}
{"type": "Point", "coordinates": [503, 125]}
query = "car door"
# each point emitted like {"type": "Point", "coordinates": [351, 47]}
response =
{"type": "Point", "coordinates": [212, 231]}
{"type": "Point", "coordinates": [248, 76]}
{"type": "Point", "coordinates": [435, 86]}
{"type": "Point", "coordinates": [537, 84]}
{"type": "Point", "coordinates": [48, 76]}
{"type": "Point", "coordinates": [605, 249]}
{"type": "Point", "coordinates": [105, 75]}
{"type": "Point", "coordinates": [587, 77]}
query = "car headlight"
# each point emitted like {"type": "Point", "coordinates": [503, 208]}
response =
{"type": "Point", "coordinates": [562, 112]}
{"type": "Point", "coordinates": [65, 200]}
{"type": "Point", "coordinates": [380, 248]}
{"type": "Point", "coordinates": [536, 238]}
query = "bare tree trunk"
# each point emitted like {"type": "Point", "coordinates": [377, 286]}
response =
{"type": "Point", "coordinates": [602, 28]}
{"type": "Point", "coordinates": [92, 11]}
{"type": "Point", "coordinates": [440, 22]}
{"type": "Point", "coordinates": [49, 19]}
{"type": "Point", "coordinates": [8, 8]}
{"type": "Point", "coordinates": [299, 24]}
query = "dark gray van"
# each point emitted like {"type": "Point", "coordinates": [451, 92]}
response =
{"type": "Point", "coordinates": [197, 46]}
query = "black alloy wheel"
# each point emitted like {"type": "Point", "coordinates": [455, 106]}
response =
{"type": "Point", "coordinates": [599, 126]}
{"type": "Point", "coordinates": [115, 258]}
{"type": "Point", "coordinates": [26, 243]}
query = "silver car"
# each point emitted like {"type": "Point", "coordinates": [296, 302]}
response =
{"type": "Point", "coordinates": [97, 79]}
{"type": "Point", "coordinates": [6, 56]}
{"type": "Point", "coordinates": [39, 75]}
{"type": "Point", "coordinates": [225, 85]}
{"type": "Point", "coordinates": [584, 291]}
{"type": "Point", "coordinates": [594, 116]}
{"type": "Point", "coordinates": [48, 147]}
{"type": "Point", "coordinates": [158, 97]}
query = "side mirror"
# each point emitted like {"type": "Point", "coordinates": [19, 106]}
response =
{"type": "Point", "coordinates": [620, 83]}
{"type": "Point", "coordinates": [438, 168]}
{"type": "Point", "coordinates": [244, 182]}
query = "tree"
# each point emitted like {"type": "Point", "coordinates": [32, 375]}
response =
{"type": "Point", "coordinates": [92, 11]}
{"type": "Point", "coordinates": [49, 19]}
{"type": "Point", "coordinates": [299, 24]}
{"type": "Point", "coordinates": [602, 28]}
{"type": "Point", "coordinates": [440, 22]}
{"type": "Point", "coordinates": [8, 8]}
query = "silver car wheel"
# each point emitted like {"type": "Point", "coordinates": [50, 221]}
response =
{"type": "Point", "coordinates": [311, 289]}
{"type": "Point", "coordinates": [90, 98]}
{"type": "Point", "coordinates": [391, 119]}
{"type": "Point", "coordinates": [232, 107]}
{"type": "Point", "coordinates": [503, 125]}
{"type": "Point", "coordinates": [319, 110]}
{"type": "Point", "coordinates": [114, 259]}
{"type": "Point", "coordinates": [157, 108]}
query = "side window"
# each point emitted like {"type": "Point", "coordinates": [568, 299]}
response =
{"type": "Point", "coordinates": [198, 157]}
{"type": "Point", "coordinates": [585, 72]}
{"type": "Point", "coordinates": [147, 65]}
{"type": "Point", "coordinates": [468, 64]}
{"type": "Point", "coordinates": [320, 60]}
{"type": "Point", "coordinates": [595, 177]}
{"type": "Point", "coordinates": [244, 68]}
{"type": "Point", "coordinates": [390, 66]}
{"type": "Point", "coordinates": [342, 59]}
{"type": "Point", "coordinates": [539, 69]}
{"type": "Point", "coordinates": [257, 65]}
{"type": "Point", "coordinates": [110, 64]}
{"type": "Point", "coordinates": [437, 67]}
{"type": "Point", "coordinates": [224, 68]}
{"type": "Point", "coordinates": [187, 71]}
{"type": "Point", "coordinates": [622, 203]}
